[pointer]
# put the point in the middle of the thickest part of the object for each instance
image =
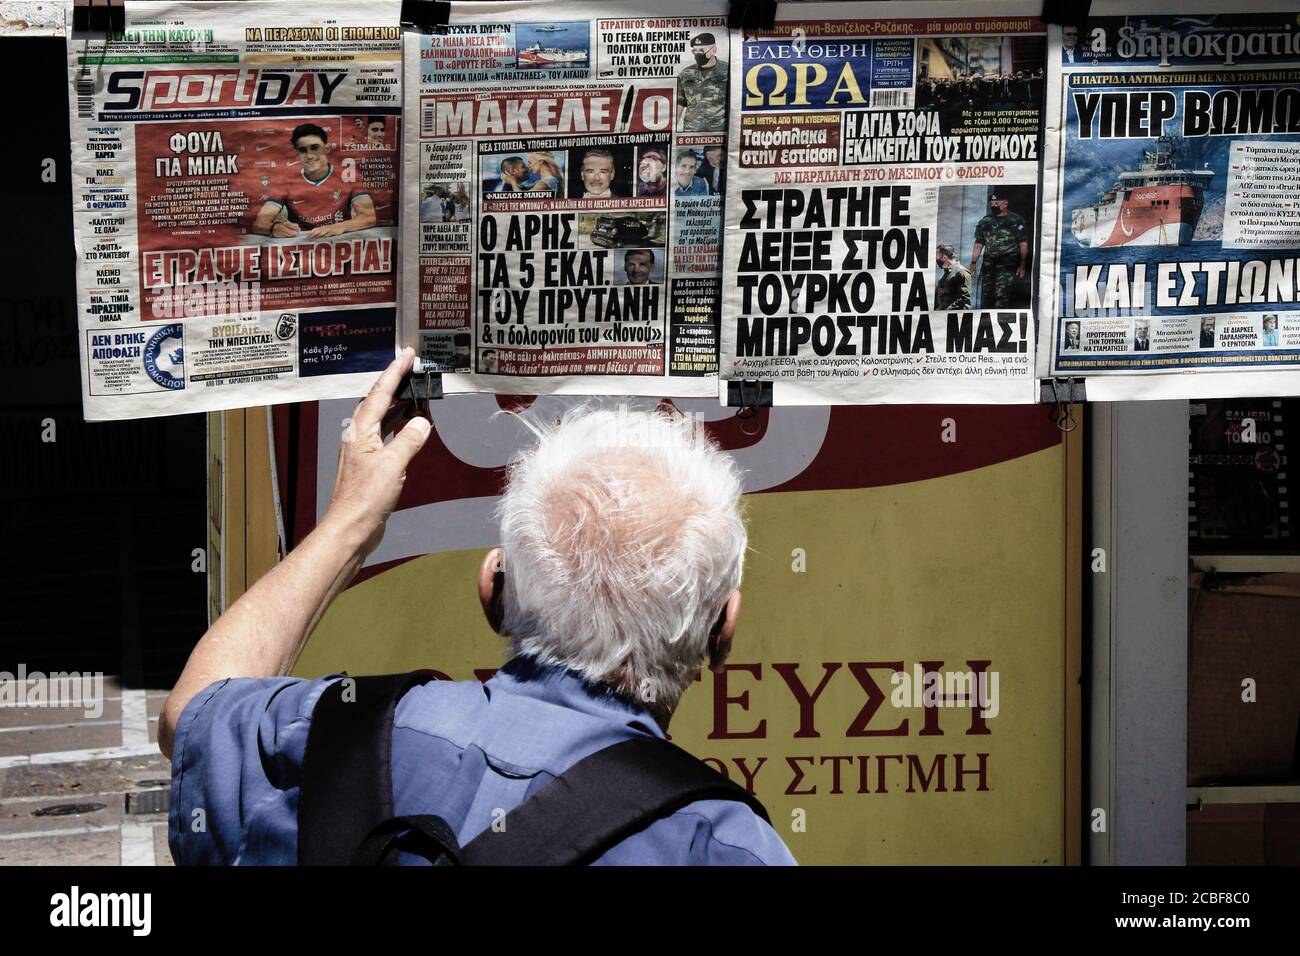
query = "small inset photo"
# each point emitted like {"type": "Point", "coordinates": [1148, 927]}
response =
{"type": "Point", "coordinates": [536, 173]}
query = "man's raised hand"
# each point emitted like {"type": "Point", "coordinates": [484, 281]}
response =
{"type": "Point", "coordinates": [370, 473]}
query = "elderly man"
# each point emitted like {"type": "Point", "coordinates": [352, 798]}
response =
{"type": "Point", "coordinates": [616, 581]}
{"type": "Point", "coordinates": [597, 172]}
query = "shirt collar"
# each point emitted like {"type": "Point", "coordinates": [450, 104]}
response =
{"type": "Point", "coordinates": [329, 171]}
{"type": "Point", "coordinates": [555, 684]}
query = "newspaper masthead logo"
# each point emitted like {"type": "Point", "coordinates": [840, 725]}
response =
{"type": "Point", "coordinates": [142, 89]}
{"type": "Point", "coordinates": [1191, 41]}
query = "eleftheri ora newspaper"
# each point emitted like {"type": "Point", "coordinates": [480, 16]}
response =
{"type": "Point", "coordinates": [235, 203]}
{"type": "Point", "coordinates": [1172, 187]}
{"type": "Point", "coordinates": [569, 173]}
{"type": "Point", "coordinates": [880, 219]}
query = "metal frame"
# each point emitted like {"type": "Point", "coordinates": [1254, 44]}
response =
{"type": "Point", "coordinates": [1137, 633]}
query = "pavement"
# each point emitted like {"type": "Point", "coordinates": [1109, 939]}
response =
{"type": "Point", "coordinates": [84, 788]}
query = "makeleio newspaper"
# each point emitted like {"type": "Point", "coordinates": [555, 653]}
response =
{"type": "Point", "coordinates": [569, 172]}
{"type": "Point", "coordinates": [1172, 184]}
{"type": "Point", "coordinates": [879, 241]}
{"type": "Point", "coordinates": [235, 203]}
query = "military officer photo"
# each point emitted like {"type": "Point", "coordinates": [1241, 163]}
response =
{"type": "Point", "coordinates": [1003, 239]}
{"type": "Point", "coordinates": [952, 291]}
{"type": "Point", "coordinates": [702, 89]}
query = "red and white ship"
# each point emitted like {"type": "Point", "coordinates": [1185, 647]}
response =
{"type": "Point", "coordinates": [538, 55]}
{"type": "Point", "coordinates": [1156, 204]}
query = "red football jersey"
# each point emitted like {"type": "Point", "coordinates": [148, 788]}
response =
{"type": "Point", "coordinates": [317, 203]}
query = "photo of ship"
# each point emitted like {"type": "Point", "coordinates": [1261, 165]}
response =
{"type": "Point", "coordinates": [555, 46]}
{"type": "Point", "coordinates": [1156, 204]}
{"type": "Point", "coordinates": [537, 55]}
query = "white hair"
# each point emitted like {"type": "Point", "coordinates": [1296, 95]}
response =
{"type": "Point", "coordinates": [622, 540]}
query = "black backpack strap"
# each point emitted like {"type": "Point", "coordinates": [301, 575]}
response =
{"type": "Point", "coordinates": [347, 768]}
{"type": "Point", "coordinates": [599, 801]}
{"type": "Point", "coordinates": [427, 835]}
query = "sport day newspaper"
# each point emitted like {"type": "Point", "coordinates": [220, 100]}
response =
{"type": "Point", "coordinates": [235, 203]}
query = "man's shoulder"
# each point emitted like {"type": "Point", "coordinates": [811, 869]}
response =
{"type": "Point", "coordinates": [704, 833]}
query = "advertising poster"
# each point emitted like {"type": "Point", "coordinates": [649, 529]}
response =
{"type": "Point", "coordinates": [1239, 497]}
{"type": "Point", "coordinates": [569, 172]}
{"type": "Point", "coordinates": [235, 203]}
{"type": "Point", "coordinates": [1172, 201]}
{"type": "Point", "coordinates": [880, 229]}
{"type": "Point", "coordinates": [822, 711]}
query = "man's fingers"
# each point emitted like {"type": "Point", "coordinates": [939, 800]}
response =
{"type": "Point", "coordinates": [370, 413]}
{"type": "Point", "coordinates": [397, 415]}
{"type": "Point", "coordinates": [407, 442]}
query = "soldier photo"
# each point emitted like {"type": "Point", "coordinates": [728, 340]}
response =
{"type": "Point", "coordinates": [702, 89]}
{"type": "Point", "coordinates": [1003, 240]}
{"type": "Point", "coordinates": [952, 291]}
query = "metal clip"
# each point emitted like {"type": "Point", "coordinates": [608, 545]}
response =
{"type": "Point", "coordinates": [1063, 413]}
{"type": "Point", "coordinates": [425, 16]}
{"type": "Point", "coordinates": [421, 385]}
{"type": "Point", "coordinates": [106, 16]}
{"type": "Point", "coordinates": [747, 396]}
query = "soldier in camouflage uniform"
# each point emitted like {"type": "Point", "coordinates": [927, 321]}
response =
{"type": "Point", "coordinates": [702, 89]}
{"type": "Point", "coordinates": [952, 292]}
{"type": "Point", "coordinates": [1003, 239]}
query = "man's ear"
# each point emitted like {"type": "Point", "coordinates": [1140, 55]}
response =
{"type": "Point", "coordinates": [491, 588]}
{"type": "Point", "coordinates": [724, 629]}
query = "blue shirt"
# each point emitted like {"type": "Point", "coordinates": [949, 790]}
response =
{"type": "Point", "coordinates": [698, 187]}
{"type": "Point", "coordinates": [462, 750]}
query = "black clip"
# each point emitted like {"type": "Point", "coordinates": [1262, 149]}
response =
{"type": "Point", "coordinates": [419, 387]}
{"type": "Point", "coordinates": [98, 16]}
{"type": "Point", "coordinates": [1072, 13]}
{"type": "Point", "coordinates": [1062, 411]}
{"type": "Point", "coordinates": [427, 16]}
{"type": "Point", "coordinates": [752, 15]}
{"type": "Point", "coordinates": [747, 397]}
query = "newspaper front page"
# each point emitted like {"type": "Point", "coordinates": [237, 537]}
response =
{"type": "Point", "coordinates": [880, 224]}
{"type": "Point", "coordinates": [569, 173]}
{"type": "Point", "coordinates": [1172, 214]}
{"type": "Point", "coordinates": [235, 203]}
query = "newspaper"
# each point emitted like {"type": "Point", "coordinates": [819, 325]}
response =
{"type": "Point", "coordinates": [880, 228]}
{"type": "Point", "coordinates": [1171, 234]}
{"type": "Point", "coordinates": [569, 173]}
{"type": "Point", "coordinates": [235, 203]}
